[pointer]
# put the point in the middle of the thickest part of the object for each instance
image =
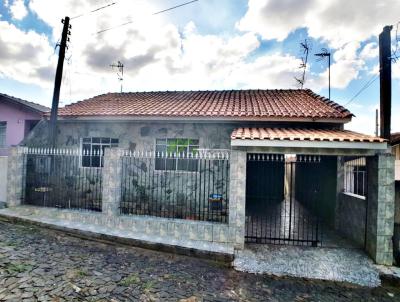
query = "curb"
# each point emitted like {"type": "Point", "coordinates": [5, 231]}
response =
{"type": "Point", "coordinates": [224, 258]}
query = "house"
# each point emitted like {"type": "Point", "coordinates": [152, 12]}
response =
{"type": "Point", "coordinates": [212, 170]}
{"type": "Point", "coordinates": [395, 143]}
{"type": "Point", "coordinates": [17, 118]}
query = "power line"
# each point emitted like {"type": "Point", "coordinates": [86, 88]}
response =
{"type": "Point", "coordinates": [156, 13]}
{"type": "Point", "coordinates": [95, 10]}
{"type": "Point", "coordinates": [369, 83]}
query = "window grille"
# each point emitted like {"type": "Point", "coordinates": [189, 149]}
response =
{"type": "Point", "coordinates": [3, 128]}
{"type": "Point", "coordinates": [175, 154]}
{"type": "Point", "coordinates": [93, 150]}
{"type": "Point", "coordinates": [355, 176]}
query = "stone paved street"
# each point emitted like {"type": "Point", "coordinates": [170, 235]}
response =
{"type": "Point", "coordinates": [37, 264]}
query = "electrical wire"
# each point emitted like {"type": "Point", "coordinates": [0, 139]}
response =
{"type": "Point", "coordinates": [395, 55]}
{"type": "Point", "coordinates": [366, 85]}
{"type": "Point", "coordinates": [93, 11]}
{"type": "Point", "coordinates": [156, 13]}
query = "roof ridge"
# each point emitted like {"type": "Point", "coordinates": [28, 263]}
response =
{"type": "Point", "coordinates": [330, 103]}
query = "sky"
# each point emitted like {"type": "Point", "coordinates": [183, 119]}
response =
{"type": "Point", "coordinates": [206, 45]}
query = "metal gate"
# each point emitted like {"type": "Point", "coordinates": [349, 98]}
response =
{"type": "Point", "coordinates": [282, 199]}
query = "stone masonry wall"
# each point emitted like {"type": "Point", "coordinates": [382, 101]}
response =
{"type": "Point", "coordinates": [380, 219]}
{"type": "Point", "coordinates": [351, 215]}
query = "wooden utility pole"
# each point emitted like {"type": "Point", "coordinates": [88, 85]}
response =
{"type": "Point", "coordinates": [385, 69]}
{"type": "Point", "coordinates": [57, 82]}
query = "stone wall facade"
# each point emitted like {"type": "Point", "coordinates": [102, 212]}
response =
{"type": "Point", "coordinates": [351, 214]}
{"type": "Point", "coordinates": [380, 217]}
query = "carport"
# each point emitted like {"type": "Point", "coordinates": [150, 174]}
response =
{"type": "Point", "coordinates": [316, 187]}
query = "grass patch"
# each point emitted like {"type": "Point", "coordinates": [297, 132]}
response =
{"type": "Point", "coordinates": [148, 285]}
{"type": "Point", "coordinates": [130, 280]}
{"type": "Point", "coordinates": [81, 273]}
{"type": "Point", "coordinates": [13, 268]}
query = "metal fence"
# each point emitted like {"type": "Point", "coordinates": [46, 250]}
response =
{"type": "Point", "coordinates": [56, 178]}
{"type": "Point", "coordinates": [192, 186]}
{"type": "Point", "coordinates": [282, 199]}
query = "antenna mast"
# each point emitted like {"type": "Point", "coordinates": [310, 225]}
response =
{"type": "Point", "coordinates": [322, 55]}
{"type": "Point", "coordinates": [120, 71]}
{"type": "Point", "coordinates": [305, 47]}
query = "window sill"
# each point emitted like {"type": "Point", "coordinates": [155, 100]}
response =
{"type": "Point", "coordinates": [354, 195]}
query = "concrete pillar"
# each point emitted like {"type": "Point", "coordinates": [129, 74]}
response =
{"type": "Point", "coordinates": [112, 181]}
{"type": "Point", "coordinates": [237, 193]}
{"type": "Point", "coordinates": [16, 176]}
{"type": "Point", "coordinates": [380, 198]}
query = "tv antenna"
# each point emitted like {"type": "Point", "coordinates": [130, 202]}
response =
{"type": "Point", "coordinates": [120, 71]}
{"type": "Point", "coordinates": [321, 56]}
{"type": "Point", "coordinates": [305, 47]}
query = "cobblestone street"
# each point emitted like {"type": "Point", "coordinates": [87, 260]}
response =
{"type": "Point", "coordinates": [37, 264]}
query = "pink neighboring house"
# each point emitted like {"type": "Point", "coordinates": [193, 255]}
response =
{"type": "Point", "coordinates": [17, 118]}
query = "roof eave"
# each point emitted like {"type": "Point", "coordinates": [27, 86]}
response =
{"type": "Point", "coordinates": [201, 118]}
{"type": "Point", "coordinates": [308, 144]}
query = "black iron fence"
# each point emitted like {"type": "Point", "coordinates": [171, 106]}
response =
{"type": "Point", "coordinates": [192, 186]}
{"type": "Point", "coordinates": [56, 178]}
{"type": "Point", "coordinates": [282, 199]}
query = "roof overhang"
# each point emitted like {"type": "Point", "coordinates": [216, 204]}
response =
{"type": "Point", "coordinates": [304, 138]}
{"type": "Point", "coordinates": [309, 144]}
{"type": "Point", "coordinates": [202, 118]}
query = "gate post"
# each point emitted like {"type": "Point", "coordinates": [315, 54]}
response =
{"type": "Point", "coordinates": [111, 182]}
{"type": "Point", "coordinates": [15, 173]}
{"type": "Point", "coordinates": [380, 217]}
{"type": "Point", "coordinates": [237, 193]}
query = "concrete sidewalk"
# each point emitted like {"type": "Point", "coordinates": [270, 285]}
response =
{"type": "Point", "coordinates": [68, 221]}
{"type": "Point", "coordinates": [335, 264]}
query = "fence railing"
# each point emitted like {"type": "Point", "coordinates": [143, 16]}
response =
{"type": "Point", "coordinates": [192, 186]}
{"type": "Point", "coordinates": [56, 178]}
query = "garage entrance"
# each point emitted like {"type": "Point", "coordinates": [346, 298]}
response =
{"type": "Point", "coordinates": [283, 195]}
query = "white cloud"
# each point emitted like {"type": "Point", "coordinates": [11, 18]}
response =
{"type": "Point", "coordinates": [370, 51]}
{"type": "Point", "coordinates": [18, 9]}
{"type": "Point", "coordinates": [157, 55]}
{"type": "Point", "coordinates": [25, 56]}
{"type": "Point", "coordinates": [337, 22]}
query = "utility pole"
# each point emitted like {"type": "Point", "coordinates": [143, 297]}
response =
{"type": "Point", "coordinates": [120, 72]}
{"type": "Point", "coordinates": [325, 54]}
{"type": "Point", "coordinates": [385, 70]}
{"type": "Point", "coordinates": [377, 122]}
{"type": "Point", "coordinates": [57, 82]}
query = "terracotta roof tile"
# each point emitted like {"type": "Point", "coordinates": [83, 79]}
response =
{"type": "Point", "coordinates": [303, 134]}
{"type": "Point", "coordinates": [395, 138]}
{"type": "Point", "coordinates": [258, 104]}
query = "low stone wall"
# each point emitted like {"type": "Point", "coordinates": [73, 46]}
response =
{"type": "Point", "coordinates": [3, 178]}
{"type": "Point", "coordinates": [351, 215]}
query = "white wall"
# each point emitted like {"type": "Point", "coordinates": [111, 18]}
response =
{"type": "Point", "coordinates": [397, 170]}
{"type": "Point", "coordinates": [3, 178]}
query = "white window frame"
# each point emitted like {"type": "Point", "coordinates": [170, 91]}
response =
{"type": "Point", "coordinates": [3, 136]}
{"type": "Point", "coordinates": [351, 177]}
{"type": "Point", "coordinates": [177, 159]}
{"type": "Point", "coordinates": [101, 144]}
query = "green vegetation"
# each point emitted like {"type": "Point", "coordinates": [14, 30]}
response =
{"type": "Point", "coordinates": [130, 280]}
{"type": "Point", "coordinates": [13, 268]}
